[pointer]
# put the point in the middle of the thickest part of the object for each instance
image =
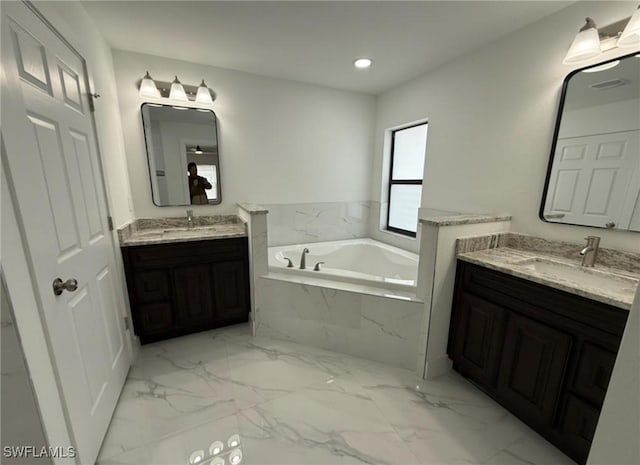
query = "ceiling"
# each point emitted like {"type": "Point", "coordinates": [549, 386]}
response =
{"type": "Point", "coordinates": [315, 41]}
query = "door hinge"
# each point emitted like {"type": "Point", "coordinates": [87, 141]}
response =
{"type": "Point", "coordinates": [127, 324]}
{"type": "Point", "coordinates": [110, 222]}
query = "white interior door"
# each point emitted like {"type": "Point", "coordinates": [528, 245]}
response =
{"type": "Point", "coordinates": [591, 178]}
{"type": "Point", "coordinates": [56, 182]}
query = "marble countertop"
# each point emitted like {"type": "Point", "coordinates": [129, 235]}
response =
{"type": "Point", "coordinates": [518, 262]}
{"type": "Point", "coordinates": [438, 217]}
{"type": "Point", "coordinates": [148, 231]}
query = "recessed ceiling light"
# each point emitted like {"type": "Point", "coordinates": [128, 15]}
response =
{"type": "Point", "coordinates": [362, 63]}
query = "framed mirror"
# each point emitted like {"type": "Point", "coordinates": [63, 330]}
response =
{"type": "Point", "coordinates": [593, 178]}
{"type": "Point", "coordinates": [183, 155]}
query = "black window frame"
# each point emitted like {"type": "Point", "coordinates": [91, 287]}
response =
{"type": "Point", "coordinates": [392, 182]}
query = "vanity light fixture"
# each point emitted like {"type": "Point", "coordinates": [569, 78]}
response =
{"type": "Point", "coordinates": [203, 95]}
{"type": "Point", "coordinates": [631, 34]}
{"type": "Point", "coordinates": [177, 91]}
{"type": "Point", "coordinates": [585, 46]}
{"type": "Point", "coordinates": [199, 150]}
{"type": "Point", "coordinates": [362, 63]}
{"type": "Point", "coordinates": [148, 87]}
{"type": "Point", "coordinates": [591, 41]}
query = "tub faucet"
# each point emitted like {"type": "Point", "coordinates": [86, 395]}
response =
{"type": "Point", "coordinates": [303, 259]}
{"type": "Point", "coordinates": [190, 219]}
{"type": "Point", "coordinates": [590, 252]}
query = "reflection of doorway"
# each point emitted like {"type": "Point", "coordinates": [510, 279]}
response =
{"type": "Point", "coordinates": [205, 156]}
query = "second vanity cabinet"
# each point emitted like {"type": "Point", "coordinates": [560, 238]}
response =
{"type": "Point", "coordinates": [545, 354]}
{"type": "Point", "coordinates": [184, 287]}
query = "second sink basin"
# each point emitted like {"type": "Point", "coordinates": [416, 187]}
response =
{"type": "Point", "coordinates": [583, 276]}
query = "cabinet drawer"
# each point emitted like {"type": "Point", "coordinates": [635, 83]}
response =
{"type": "Point", "coordinates": [155, 318]}
{"type": "Point", "coordinates": [152, 286]}
{"type": "Point", "coordinates": [181, 253]}
{"type": "Point", "coordinates": [577, 428]}
{"type": "Point", "coordinates": [593, 371]}
{"type": "Point", "coordinates": [505, 289]}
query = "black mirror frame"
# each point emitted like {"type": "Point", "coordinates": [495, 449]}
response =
{"type": "Point", "coordinates": [556, 132]}
{"type": "Point", "coordinates": [146, 147]}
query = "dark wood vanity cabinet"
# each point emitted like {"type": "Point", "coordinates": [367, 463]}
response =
{"type": "Point", "coordinates": [184, 287]}
{"type": "Point", "coordinates": [544, 354]}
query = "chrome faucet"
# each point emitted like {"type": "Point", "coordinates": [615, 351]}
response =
{"type": "Point", "coordinates": [190, 219]}
{"type": "Point", "coordinates": [590, 252]}
{"type": "Point", "coordinates": [303, 259]}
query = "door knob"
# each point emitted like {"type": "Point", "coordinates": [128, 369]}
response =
{"type": "Point", "coordinates": [68, 285]}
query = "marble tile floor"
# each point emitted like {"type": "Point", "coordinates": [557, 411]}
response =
{"type": "Point", "coordinates": [298, 405]}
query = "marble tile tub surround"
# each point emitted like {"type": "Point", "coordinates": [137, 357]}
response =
{"type": "Point", "coordinates": [294, 404]}
{"type": "Point", "coordinates": [133, 232]}
{"type": "Point", "coordinates": [300, 223]}
{"type": "Point", "coordinates": [504, 252]}
{"type": "Point", "coordinates": [384, 329]}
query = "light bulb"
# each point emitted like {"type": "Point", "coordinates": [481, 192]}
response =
{"type": "Point", "coordinates": [148, 87]}
{"type": "Point", "coordinates": [203, 95]}
{"type": "Point", "coordinates": [630, 36]}
{"type": "Point", "coordinates": [177, 91]}
{"type": "Point", "coordinates": [585, 46]}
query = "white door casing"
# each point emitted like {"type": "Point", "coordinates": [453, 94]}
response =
{"type": "Point", "coordinates": [56, 182]}
{"type": "Point", "coordinates": [592, 177]}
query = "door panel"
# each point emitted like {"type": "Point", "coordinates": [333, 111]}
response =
{"type": "Point", "coordinates": [478, 340]}
{"type": "Point", "coordinates": [194, 303]}
{"type": "Point", "coordinates": [57, 188]}
{"type": "Point", "coordinates": [534, 360]}
{"type": "Point", "coordinates": [230, 285]}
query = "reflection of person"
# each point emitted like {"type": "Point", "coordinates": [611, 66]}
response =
{"type": "Point", "coordinates": [197, 186]}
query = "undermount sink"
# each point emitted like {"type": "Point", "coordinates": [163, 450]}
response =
{"type": "Point", "coordinates": [583, 276]}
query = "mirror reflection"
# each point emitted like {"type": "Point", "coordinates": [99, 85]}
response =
{"type": "Point", "coordinates": [594, 172]}
{"type": "Point", "coordinates": [182, 152]}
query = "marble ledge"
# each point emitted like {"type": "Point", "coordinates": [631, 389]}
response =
{"type": "Point", "coordinates": [343, 286]}
{"type": "Point", "coordinates": [509, 261]}
{"type": "Point", "coordinates": [436, 217]}
{"type": "Point", "coordinates": [252, 208]}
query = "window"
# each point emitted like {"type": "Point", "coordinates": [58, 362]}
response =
{"type": "Point", "coordinates": [210, 172]}
{"type": "Point", "coordinates": [408, 146]}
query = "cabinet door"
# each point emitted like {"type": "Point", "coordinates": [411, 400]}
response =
{"type": "Point", "coordinates": [532, 369]}
{"type": "Point", "coordinates": [194, 302]}
{"type": "Point", "coordinates": [478, 338]}
{"type": "Point", "coordinates": [231, 287]}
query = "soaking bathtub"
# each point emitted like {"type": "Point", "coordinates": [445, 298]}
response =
{"type": "Point", "coordinates": [359, 261]}
{"type": "Point", "coordinates": [362, 301]}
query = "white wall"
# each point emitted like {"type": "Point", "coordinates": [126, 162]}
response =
{"type": "Point", "coordinates": [491, 119]}
{"type": "Point", "coordinates": [280, 141]}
